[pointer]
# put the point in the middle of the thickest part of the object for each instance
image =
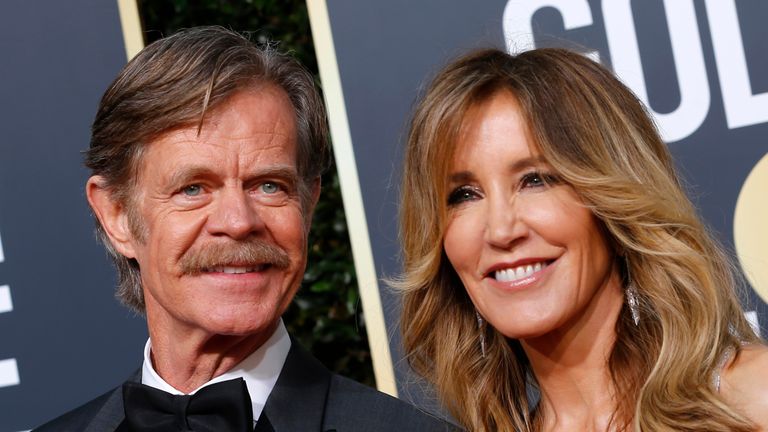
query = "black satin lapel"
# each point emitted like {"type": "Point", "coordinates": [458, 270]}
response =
{"type": "Point", "coordinates": [111, 414]}
{"type": "Point", "coordinates": [297, 403]}
{"type": "Point", "coordinates": [263, 425]}
{"type": "Point", "coordinates": [124, 427]}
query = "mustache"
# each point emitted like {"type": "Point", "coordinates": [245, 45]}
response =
{"type": "Point", "coordinates": [253, 253]}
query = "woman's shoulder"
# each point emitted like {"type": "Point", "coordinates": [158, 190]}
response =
{"type": "Point", "coordinates": [745, 383]}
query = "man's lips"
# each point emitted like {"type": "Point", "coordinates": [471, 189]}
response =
{"type": "Point", "coordinates": [236, 269]}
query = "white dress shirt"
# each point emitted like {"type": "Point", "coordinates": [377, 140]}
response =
{"type": "Point", "coordinates": [259, 370]}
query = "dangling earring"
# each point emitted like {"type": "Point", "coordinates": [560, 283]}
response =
{"type": "Point", "coordinates": [481, 329]}
{"type": "Point", "coordinates": [631, 293]}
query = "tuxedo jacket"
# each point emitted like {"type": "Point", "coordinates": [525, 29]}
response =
{"type": "Point", "coordinates": [307, 397]}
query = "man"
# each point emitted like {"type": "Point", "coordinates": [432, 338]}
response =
{"type": "Point", "coordinates": [206, 155]}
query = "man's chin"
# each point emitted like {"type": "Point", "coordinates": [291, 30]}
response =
{"type": "Point", "coordinates": [240, 326]}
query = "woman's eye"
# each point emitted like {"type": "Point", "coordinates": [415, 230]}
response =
{"type": "Point", "coordinates": [192, 190]}
{"type": "Point", "coordinates": [462, 194]}
{"type": "Point", "coordinates": [270, 188]}
{"type": "Point", "coordinates": [537, 179]}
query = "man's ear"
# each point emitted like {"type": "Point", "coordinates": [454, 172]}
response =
{"type": "Point", "coordinates": [112, 215]}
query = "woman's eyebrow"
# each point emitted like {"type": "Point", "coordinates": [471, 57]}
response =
{"type": "Point", "coordinates": [461, 177]}
{"type": "Point", "coordinates": [517, 166]}
{"type": "Point", "coordinates": [527, 162]}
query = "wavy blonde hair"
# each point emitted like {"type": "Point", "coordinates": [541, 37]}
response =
{"type": "Point", "coordinates": [600, 140]}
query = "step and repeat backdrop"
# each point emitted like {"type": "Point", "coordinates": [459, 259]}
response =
{"type": "Point", "coordinates": [700, 66]}
{"type": "Point", "coordinates": [64, 339]}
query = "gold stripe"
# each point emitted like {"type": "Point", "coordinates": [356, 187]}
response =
{"type": "Point", "coordinates": [749, 229]}
{"type": "Point", "coordinates": [131, 24]}
{"type": "Point", "coordinates": [353, 200]}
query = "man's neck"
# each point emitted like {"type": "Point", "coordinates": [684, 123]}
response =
{"type": "Point", "coordinates": [188, 363]}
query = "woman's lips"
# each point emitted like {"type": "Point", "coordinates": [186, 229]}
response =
{"type": "Point", "coordinates": [518, 276]}
{"type": "Point", "coordinates": [513, 274]}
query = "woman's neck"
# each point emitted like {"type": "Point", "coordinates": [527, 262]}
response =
{"type": "Point", "coordinates": [571, 367]}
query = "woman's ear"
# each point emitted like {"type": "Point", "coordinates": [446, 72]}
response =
{"type": "Point", "coordinates": [112, 215]}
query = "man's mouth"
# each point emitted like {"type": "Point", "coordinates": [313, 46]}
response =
{"type": "Point", "coordinates": [513, 274]}
{"type": "Point", "coordinates": [236, 269]}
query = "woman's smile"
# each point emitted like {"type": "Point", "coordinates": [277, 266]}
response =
{"type": "Point", "coordinates": [518, 276]}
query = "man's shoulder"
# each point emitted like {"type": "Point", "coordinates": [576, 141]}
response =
{"type": "Point", "coordinates": [350, 402]}
{"type": "Point", "coordinates": [87, 416]}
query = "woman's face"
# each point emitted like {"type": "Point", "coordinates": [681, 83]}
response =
{"type": "Point", "coordinates": [532, 257]}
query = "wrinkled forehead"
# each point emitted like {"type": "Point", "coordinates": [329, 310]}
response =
{"type": "Point", "coordinates": [265, 109]}
{"type": "Point", "coordinates": [252, 129]}
{"type": "Point", "coordinates": [262, 112]}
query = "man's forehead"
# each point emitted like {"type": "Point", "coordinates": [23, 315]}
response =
{"type": "Point", "coordinates": [186, 149]}
{"type": "Point", "coordinates": [256, 113]}
{"type": "Point", "coordinates": [254, 127]}
{"type": "Point", "coordinates": [253, 110]}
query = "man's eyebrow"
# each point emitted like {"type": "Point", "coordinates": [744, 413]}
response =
{"type": "Point", "coordinates": [190, 174]}
{"type": "Point", "coordinates": [284, 172]}
{"type": "Point", "coordinates": [517, 166]}
{"type": "Point", "coordinates": [185, 175]}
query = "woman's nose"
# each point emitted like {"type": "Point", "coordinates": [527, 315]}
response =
{"type": "Point", "coordinates": [504, 226]}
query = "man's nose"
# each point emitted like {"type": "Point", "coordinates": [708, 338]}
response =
{"type": "Point", "coordinates": [504, 222]}
{"type": "Point", "coordinates": [235, 214]}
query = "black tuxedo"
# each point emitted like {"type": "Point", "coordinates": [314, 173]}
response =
{"type": "Point", "coordinates": [307, 397]}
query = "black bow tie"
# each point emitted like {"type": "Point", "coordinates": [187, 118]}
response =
{"type": "Point", "coordinates": [220, 407]}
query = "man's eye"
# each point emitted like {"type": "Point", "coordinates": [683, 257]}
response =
{"type": "Point", "coordinates": [270, 188]}
{"type": "Point", "coordinates": [192, 190]}
{"type": "Point", "coordinates": [462, 194]}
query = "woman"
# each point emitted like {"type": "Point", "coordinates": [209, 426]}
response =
{"type": "Point", "coordinates": [548, 244]}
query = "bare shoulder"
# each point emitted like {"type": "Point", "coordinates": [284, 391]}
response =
{"type": "Point", "coordinates": [745, 383]}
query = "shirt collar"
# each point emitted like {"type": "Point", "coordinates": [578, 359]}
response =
{"type": "Point", "coordinates": [259, 370]}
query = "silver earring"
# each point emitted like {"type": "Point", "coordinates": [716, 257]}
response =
{"type": "Point", "coordinates": [481, 329]}
{"type": "Point", "coordinates": [631, 293]}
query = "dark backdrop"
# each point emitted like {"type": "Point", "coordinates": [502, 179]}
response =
{"type": "Point", "coordinates": [55, 280]}
{"type": "Point", "coordinates": [65, 335]}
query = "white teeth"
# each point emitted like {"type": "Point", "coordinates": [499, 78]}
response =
{"type": "Point", "coordinates": [520, 272]}
{"type": "Point", "coordinates": [235, 270]}
{"type": "Point", "coordinates": [517, 273]}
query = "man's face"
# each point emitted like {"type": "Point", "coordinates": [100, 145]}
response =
{"type": "Point", "coordinates": [223, 247]}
